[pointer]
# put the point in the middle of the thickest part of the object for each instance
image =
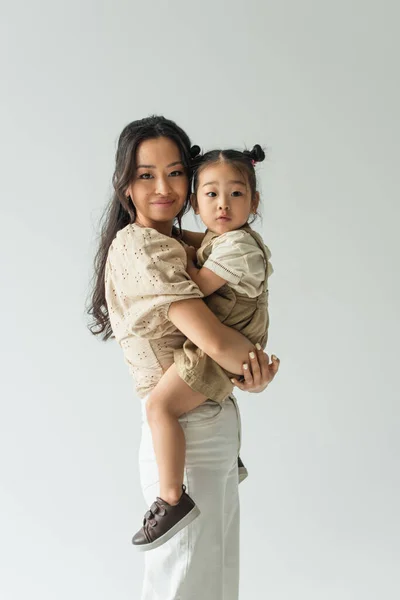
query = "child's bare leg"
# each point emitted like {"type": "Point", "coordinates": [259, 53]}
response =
{"type": "Point", "coordinates": [170, 399]}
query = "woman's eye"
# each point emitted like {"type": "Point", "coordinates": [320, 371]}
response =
{"type": "Point", "coordinates": [176, 173]}
{"type": "Point", "coordinates": [211, 194]}
{"type": "Point", "coordinates": [145, 176]}
{"type": "Point", "coordinates": [237, 193]}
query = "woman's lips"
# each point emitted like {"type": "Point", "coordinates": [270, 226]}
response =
{"type": "Point", "coordinates": [224, 219]}
{"type": "Point", "coordinates": [163, 202]}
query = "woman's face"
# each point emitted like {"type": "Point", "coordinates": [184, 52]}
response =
{"type": "Point", "coordinates": [160, 187]}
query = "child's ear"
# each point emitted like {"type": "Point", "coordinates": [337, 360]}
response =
{"type": "Point", "coordinates": [193, 202]}
{"type": "Point", "coordinates": [255, 202]}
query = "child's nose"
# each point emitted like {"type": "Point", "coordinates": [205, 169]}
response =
{"type": "Point", "coordinates": [223, 203]}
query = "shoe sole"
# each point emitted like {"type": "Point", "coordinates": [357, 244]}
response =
{"type": "Point", "coordinates": [189, 518]}
{"type": "Point", "coordinates": [243, 474]}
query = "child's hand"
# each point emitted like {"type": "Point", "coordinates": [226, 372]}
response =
{"type": "Point", "coordinates": [259, 372]}
{"type": "Point", "coordinates": [191, 253]}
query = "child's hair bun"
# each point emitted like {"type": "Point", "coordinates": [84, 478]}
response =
{"type": "Point", "coordinates": [257, 153]}
{"type": "Point", "coordinates": [194, 151]}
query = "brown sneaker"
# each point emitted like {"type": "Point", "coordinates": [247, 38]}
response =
{"type": "Point", "coordinates": [163, 521]}
{"type": "Point", "coordinates": [243, 472]}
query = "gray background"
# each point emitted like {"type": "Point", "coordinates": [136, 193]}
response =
{"type": "Point", "coordinates": [316, 82]}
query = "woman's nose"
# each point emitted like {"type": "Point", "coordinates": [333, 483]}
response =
{"type": "Point", "coordinates": [162, 186]}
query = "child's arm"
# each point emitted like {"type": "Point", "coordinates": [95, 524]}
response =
{"type": "Point", "coordinates": [204, 278]}
{"type": "Point", "coordinates": [174, 394]}
{"type": "Point", "coordinates": [193, 238]}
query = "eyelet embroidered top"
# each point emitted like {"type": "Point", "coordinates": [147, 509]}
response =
{"type": "Point", "coordinates": [145, 273]}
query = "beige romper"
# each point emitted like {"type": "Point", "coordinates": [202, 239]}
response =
{"type": "Point", "coordinates": [242, 259]}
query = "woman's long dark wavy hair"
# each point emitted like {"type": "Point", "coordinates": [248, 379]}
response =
{"type": "Point", "coordinates": [121, 211]}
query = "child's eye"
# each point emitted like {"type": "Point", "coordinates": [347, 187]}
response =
{"type": "Point", "coordinates": [211, 194]}
{"type": "Point", "coordinates": [237, 193]}
{"type": "Point", "coordinates": [145, 176]}
{"type": "Point", "coordinates": [175, 173]}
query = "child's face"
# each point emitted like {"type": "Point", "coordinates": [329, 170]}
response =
{"type": "Point", "coordinates": [223, 198]}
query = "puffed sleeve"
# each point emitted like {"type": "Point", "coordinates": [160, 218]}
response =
{"type": "Point", "coordinates": [145, 273]}
{"type": "Point", "coordinates": [231, 254]}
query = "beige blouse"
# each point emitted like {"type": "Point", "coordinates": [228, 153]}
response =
{"type": "Point", "coordinates": [145, 273]}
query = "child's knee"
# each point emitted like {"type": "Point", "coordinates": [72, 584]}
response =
{"type": "Point", "coordinates": [152, 408]}
{"type": "Point", "coordinates": [156, 409]}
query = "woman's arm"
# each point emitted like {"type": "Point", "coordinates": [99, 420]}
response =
{"type": "Point", "coordinates": [229, 348]}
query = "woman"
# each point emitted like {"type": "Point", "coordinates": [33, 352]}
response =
{"type": "Point", "coordinates": [144, 296]}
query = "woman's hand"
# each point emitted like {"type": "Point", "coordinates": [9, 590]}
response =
{"type": "Point", "coordinates": [259, 372]}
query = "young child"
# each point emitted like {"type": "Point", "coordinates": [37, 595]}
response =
{"type": "Point", "coordinates": [232, 272]}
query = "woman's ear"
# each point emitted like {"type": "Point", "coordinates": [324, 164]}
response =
{"type": "Point", "coordinates": [193, 202]}
{"type": "Point", "coordinates": [255, 202]}
{"type": "Point", "coordinates": [127, 193]}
